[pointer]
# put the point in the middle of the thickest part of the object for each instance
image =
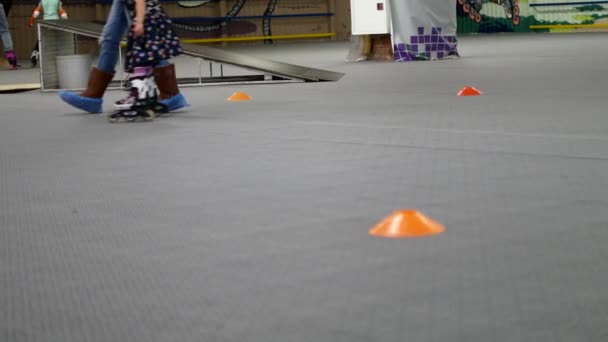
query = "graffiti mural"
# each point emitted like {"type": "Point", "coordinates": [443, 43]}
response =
{"type": "Point", "coordinates": [229, 23]}
{"type": "Point", "coordinates": [487, 16]}
{"type": "Point", "coordinates": [266, 22]}
{"type": "Point", "coordinates": [209, 21]}
{"type": "Point", "coordinates": [474, 7]}
{"type": "Point", "coordinates": [197, 27]}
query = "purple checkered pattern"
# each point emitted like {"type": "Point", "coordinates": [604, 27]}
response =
{"type": "Point", "coordinates": [426, 46]}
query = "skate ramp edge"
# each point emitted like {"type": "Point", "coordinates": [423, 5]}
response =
{"type": "Point", "coordinates": [92, 29]}
{"type": "Point", "coordinates": [18, 88]}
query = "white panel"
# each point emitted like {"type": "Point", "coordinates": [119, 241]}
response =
{"type": "Point", "coordinates": [370, 17]}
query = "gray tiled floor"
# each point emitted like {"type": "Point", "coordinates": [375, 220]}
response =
{"type": "Point", "coordinates": [248, 221]}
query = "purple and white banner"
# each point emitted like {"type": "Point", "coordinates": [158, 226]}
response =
{"type": "Point", "coordinates": [423, 29]}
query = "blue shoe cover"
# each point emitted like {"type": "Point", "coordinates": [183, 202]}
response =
{"type": "Point", "coordinates": [87, 104]}
{"type": "Point", "coordinates": [176, 102]}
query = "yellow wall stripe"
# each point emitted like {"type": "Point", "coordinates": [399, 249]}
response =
{"type": "Point", "coordinates": [568, 26]}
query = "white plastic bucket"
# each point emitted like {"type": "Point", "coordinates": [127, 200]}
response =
{"type": "Point", "coordinates": [73, 71]}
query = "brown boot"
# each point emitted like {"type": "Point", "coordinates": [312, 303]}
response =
{"type": "Point", "coordinates": [168, 90]}
{"type": "Point", "coordinates": [98, 83]}
{"type": "Point", "coordinates": [90, 100]}
{"type": "Point", "coordinates": [166, 81]}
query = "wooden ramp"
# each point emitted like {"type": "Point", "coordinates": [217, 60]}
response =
{"type": "Point", "coordinates": [58, 38]}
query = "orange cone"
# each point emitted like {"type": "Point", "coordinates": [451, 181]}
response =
{"type": "Point", "coordinates": [406, 224]}
{"type": "Point", "coordinates": [469, 91]}
{"type": "Point", "coordinates": [239, 96]}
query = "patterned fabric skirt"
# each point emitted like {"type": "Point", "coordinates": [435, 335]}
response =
{"type": "Point", "coordinates": [158, 42]}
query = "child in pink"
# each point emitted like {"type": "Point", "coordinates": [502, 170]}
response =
{"type": "Point", "coordinates": [150, 40]}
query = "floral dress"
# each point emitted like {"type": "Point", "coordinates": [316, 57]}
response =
{"type": "Point", "coordinates": [158, 42]}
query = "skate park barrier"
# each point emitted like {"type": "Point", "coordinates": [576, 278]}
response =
{"type": "Point", "coordinates": [215, 66]}
{"type": "Point", "coordinates": [73, 71]}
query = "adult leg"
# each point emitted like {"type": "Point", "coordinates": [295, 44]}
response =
{"type": "Point", "coordinates": [113, 32]}
{"type": "Point", "coordinates": [7, 6]}
{"type": "Point", "coordinates": [91, 100]}
{"type": "Point", "coordinates": [7, 41]}
{"type": "Point", "coordinates": [166, 81]}
{"type": "Point", "coordinates": [5, 34]}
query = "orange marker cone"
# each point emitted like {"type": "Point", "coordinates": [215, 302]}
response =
{"type": "Point", "coordinates": [239, 96]}
{"type": "Point", "coordinates": [406, 224]}
{"type": "Point", "coordinates": [469, 91]}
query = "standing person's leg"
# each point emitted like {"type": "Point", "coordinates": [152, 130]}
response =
{"type": "Point", "coordinates": [166, 81]}
{"type": "Point", "coordinates": [5, 34]}
{"type": "Point", "coordinates": [91, 100]}
{"type": "Point", "coordinates": [7, 6]}
{"type": "Point", "coordinates": [7, 41]}
{"type": "Point", "coordinates": [113, 32]}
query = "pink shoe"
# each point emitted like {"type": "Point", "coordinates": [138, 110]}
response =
{"type": "Point", "coordinates": [12, 59]}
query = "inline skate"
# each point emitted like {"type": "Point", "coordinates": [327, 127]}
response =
{"type": "Point", "coordinates": [472, 8]}
{"type": "Point", "coordinates": [511, 8]}
{"type": "Point", "coordinates": [142, 101]}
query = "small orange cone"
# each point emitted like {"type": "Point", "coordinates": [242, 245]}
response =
{"type": "Point", "coordinates": [469, 91]}
{"type": "Point", "coordinates": [239, 96]}
{"type": "Point", "coordinates": [406, 224]}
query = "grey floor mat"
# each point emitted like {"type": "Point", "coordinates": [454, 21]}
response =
{"type": "Point", "coordinates": [248, 221]}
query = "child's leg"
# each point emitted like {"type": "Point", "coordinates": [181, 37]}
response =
{"type": "Point", "coordinates": [35, 55]}
{"type": "Point", "coordinates": [143, 89]}
{"type": "Point", "coordinates": [142, 98]}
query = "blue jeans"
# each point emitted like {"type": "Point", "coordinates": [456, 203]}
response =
{"type": "Point", "coordinates": [117, 24]}
{"type": "Point", "coordinates": [5, 34]}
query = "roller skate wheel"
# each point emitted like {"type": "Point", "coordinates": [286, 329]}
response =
{"type": "Point", "coordinates": [516, 20]}
{"type": "Point", "coordinates": [150, 115]}
{"type": "Point", "coordinates": [516, 10]}
{"type": "Point", "coordinates": [466, 8]}
{"type": "Point", "coordinates": [478, 17]}
{"type": "Point", "coordinates": [160, 108]}
{"type": "Point", "coordinates": [461, 2]}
